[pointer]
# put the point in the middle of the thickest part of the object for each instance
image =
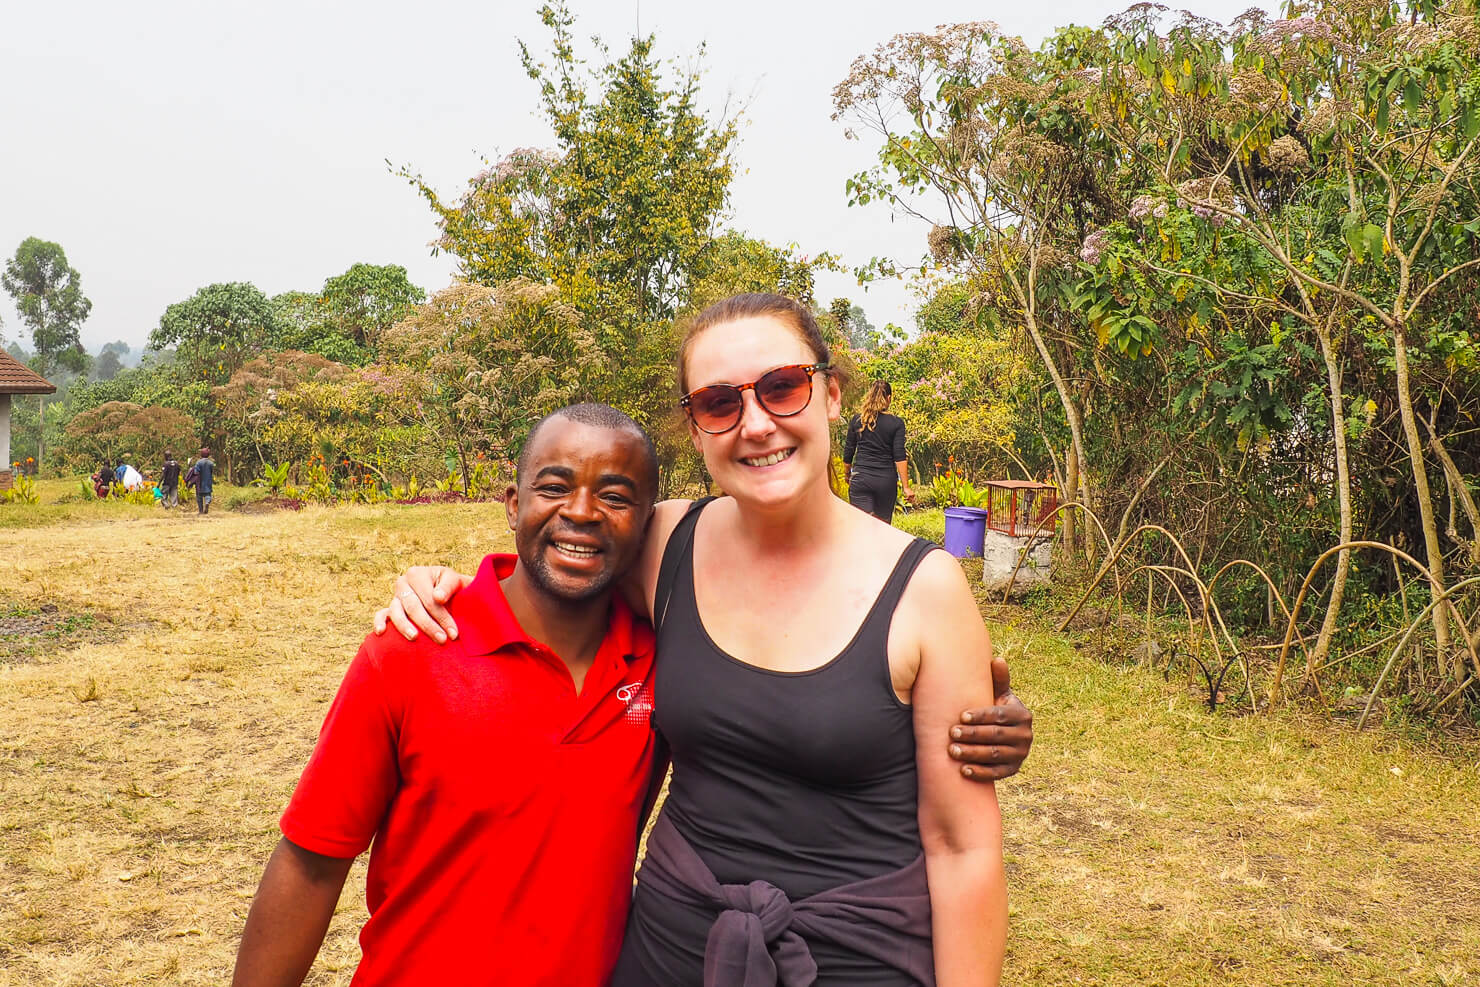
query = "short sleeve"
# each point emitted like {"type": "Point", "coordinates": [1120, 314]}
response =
{"type": "Point", "coordinates": [353, 774]}
{"type": "Point", "coordinates": [899, 440]}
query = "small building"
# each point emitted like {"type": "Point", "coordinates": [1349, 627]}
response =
{"type": "Point", "coordinates": [1020, 526]}
{"type": "Point", "coordinates": [15, 378]}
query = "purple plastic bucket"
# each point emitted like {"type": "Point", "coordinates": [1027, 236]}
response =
{"type": "Point", "coordinates": [966, 530]}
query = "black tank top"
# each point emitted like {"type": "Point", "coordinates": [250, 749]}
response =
{"type": "Point", "coordinates": [806, 780]}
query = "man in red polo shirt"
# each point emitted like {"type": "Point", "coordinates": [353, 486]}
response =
{"type": "Point", "coordinates": [502, 779]}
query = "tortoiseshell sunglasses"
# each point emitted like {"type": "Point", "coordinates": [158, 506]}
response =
{"type": "Point", "coordinates": [782, 392]}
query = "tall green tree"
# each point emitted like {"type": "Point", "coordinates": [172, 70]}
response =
{"type": "Point", "coordinates": [48, 294]}
{"type": "Point", "coordinates": [217, 329]}
{"type": "Point", "coordinates": [368, 299]}
{"type": "Point", "coordinates": [617, 215]}
{"type": "Point", "coordinates": [107, 366]}
{"type": "Point", "coordinates": [1338, 148]}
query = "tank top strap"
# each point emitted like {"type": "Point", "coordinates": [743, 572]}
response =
{"type": "Point", "coordinates": [876, 624]}
{"type": "Point", "coordinates": [679, 550]}
{"type": "Point", "coordinates": [909, 561]}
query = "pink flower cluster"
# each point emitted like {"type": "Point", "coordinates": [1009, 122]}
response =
{"type": "Point", "coordinates": [1093, 247]}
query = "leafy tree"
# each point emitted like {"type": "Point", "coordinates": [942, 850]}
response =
{"type": "Point", "coordinates": [122, 428]}
{"type": "Point", "coordinates": [358, 422]}
{"type": "Point", "coordinates": [48, 294]}
{"type": "Point", "coordinates": [107, 365]}
{"type": "Point", "coordinates": [1245, 255]}
{"type": "Point", "coordinates": [217, 329]}
{"type": "Point", "coordinates": [365, 301]}
{"type": "Point", "coordinates": [979, 138]}
{"type": "Point", "coordinates": [1336, 151]}
{"type": "Point", "coordinates": [249, 402]}
{"type": "Point", "coordinates": [618, 215]}
{"type": "Point", "coordinates": [487, 363]}
{"type": "Point", "coordinates": [955, 387]}
{"type": "Point", "coordinates": [303, 325]}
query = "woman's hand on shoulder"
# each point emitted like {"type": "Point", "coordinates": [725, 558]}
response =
{"type": "Point", "coordinates": [420, 602]}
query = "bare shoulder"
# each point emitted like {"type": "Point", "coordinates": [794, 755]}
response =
{"type": "Point", "coordinates": [885, 538]}
{"type": "Point", "coordinates": [643, 579]}
{"type": "Point", "coordinates": [666, 515]}
{"type": "Point", "coordinates": [939, 590]}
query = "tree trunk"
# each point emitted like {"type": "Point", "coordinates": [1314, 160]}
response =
{"type": "Point", "coordinates": [1071, 491]}
{"type": "Point", "coordinates": [1071, 409]}
{"type": "Point", "coordinates": [1459, 494]}
{"type": "Point", "coordinates": [1435, 555]}
{"type": "Point", "coordinates": [1343, 499]}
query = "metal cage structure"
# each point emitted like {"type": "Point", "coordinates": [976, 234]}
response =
{"type": "Point", "coordinates": [1018, 507]}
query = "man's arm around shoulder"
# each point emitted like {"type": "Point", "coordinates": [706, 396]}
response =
{"type": "Point", "coordinates": [289, 917]}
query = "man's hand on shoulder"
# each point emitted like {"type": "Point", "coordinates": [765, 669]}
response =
{"type": "Point", "coordinates": [420, 602]}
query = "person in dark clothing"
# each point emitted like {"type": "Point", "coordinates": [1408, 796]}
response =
{"type": "Point", "coordinates": [874, 456]}
{"type": "Point", "coordinates": [202, 476]}
{"type": "Point", "coordinates": [169, 481]}
{"type": "Point", "coordinates": [781, 609]}
{"type": "Point", "coordinates": [103, 480]}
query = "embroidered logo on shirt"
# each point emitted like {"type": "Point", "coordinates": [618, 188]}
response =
{"type": "Point", "coordinates": [639, 699]}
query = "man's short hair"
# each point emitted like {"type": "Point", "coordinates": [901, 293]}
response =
{"type": "Point", "coordinates": [597, 416]}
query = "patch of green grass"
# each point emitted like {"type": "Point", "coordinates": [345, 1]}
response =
{"type": "Point", "coordinates": [60, 504]}
{"type": "Point", "coordinates": [28, 631]}
{"type": "Point", "coordinates": [1149, 841]}
{"type": "Point", "coordinates": [927, 522]}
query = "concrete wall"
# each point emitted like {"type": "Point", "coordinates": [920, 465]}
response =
{"type": "Point", "coordinates": [1000, 554]}
{"type": "Point", "coordinates": [5, 433]}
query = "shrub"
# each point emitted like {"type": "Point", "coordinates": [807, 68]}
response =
{"type": "Point", "coordinates": [23, 492]}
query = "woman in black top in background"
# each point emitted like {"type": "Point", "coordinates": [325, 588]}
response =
{"type": "Point", "coordinates": [874, 455]}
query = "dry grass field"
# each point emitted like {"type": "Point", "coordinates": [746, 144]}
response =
{"type": "Point", "coordinates": [162, 679]}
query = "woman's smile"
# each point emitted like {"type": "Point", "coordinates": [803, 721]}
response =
{"type": "Point", "coordinates": [768, 459]}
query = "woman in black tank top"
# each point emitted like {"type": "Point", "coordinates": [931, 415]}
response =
{"type": "Point", "coordinates": [805, 838]}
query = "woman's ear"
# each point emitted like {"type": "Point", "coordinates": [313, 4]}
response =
{"type": "Point", "coordinates": [834, 399]}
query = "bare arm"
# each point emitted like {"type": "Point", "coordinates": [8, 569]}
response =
{"type": "Point", "coordinates": [289, 917]}
{"type": "Point", "coordinates": [960, 822]}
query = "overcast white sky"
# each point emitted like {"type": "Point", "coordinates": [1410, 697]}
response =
{"type": "Point", "coordinates": [169, 145]}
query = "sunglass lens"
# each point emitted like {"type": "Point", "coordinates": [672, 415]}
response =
{"type": "Point", "coordinates": [785, 390]}
{"type": "Point", "coordinates": [715, 408]}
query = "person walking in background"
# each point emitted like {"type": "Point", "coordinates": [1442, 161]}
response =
{"type": "Point", "coordinates": [130, 477]}
{"type": "Point", "coordinates": [202, 476]}
{"type": "Point", "coordinates": [169, 481]}
{"type": "Point", "coordinates": [874, 456]}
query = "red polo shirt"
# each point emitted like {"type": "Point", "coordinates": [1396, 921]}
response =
{"type": "Point", "coordinates": [503, 806]}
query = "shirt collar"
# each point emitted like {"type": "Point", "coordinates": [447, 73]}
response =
{"type": "Point", "coordinates": [486, 624]}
